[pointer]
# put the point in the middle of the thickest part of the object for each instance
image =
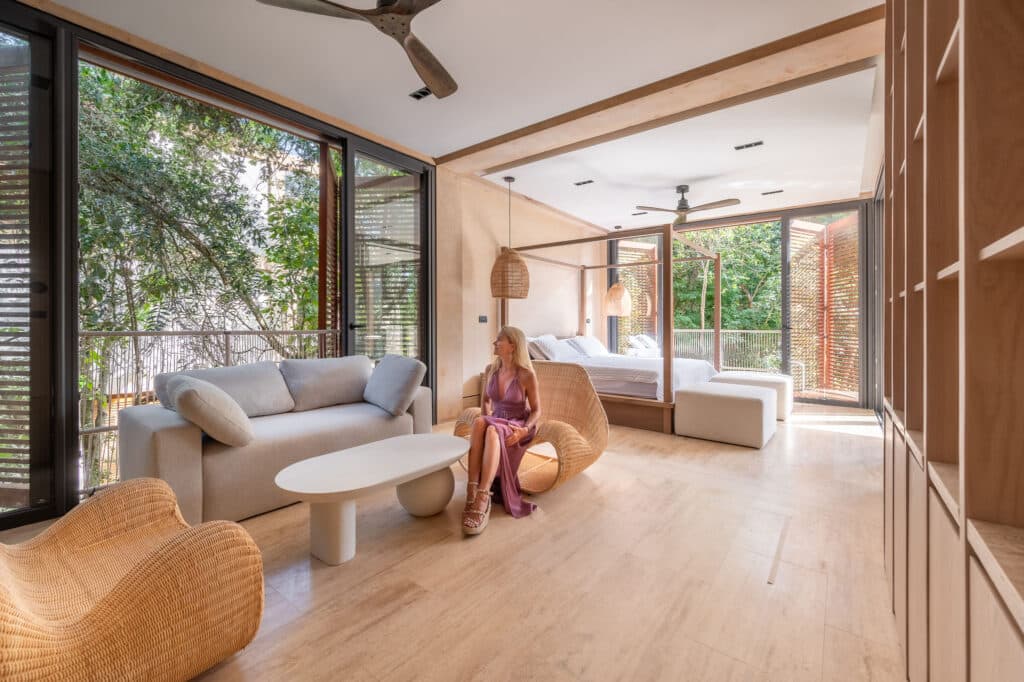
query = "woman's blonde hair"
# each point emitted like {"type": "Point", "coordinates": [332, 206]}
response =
{"type": "Point", "coordinates": [521, 355]}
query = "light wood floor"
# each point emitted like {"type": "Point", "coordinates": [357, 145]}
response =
{"type": "Point", "coordinates": [654, 564]}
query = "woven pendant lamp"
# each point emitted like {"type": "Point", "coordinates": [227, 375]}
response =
{"type": "Point", "coordinates": [510, 278]}
{"type": "Point", "coordinates": [618, 302]}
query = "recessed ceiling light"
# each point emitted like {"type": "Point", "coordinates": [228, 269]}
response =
{"type": "Point", "coordinates": [421, 93]}
{"type": "Point", "coordinates": [583, 182]}
{"type": "Point", "coordinates": [618, 227]}
{"type": "Point", "coordinates": [774, 191]}
{"type": "Point", "coordinates": [749, 145]}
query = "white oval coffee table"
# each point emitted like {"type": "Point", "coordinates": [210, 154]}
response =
{"type": "Point", "coordinates": [419, 465]}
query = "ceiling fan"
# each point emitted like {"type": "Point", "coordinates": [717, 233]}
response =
{"type": "Point", "coordinates": [392, 18]}
{"type": "Point", "coordinates": [684, 209]}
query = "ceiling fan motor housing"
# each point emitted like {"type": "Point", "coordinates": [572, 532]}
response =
{"type": "Point", "coordinates": [683, 203]}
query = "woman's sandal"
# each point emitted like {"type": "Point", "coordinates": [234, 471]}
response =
{"type": "Point", "coordinates": [471, 489]}
{"type": "Point", "coordinates": [475, 520]}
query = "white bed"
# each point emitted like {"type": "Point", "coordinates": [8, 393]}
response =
{"type": "Point", "coordinates": [636, 377]}
{"type": "Point", "coordinates": [641, 377]}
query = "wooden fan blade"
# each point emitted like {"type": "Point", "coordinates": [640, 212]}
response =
{"type": "Point", "coordinates": [653, 208]}
{"type": "Point", "coordinates": [329, 9]}
{"type": "Point", "coordinates": [430, 70]}
{"type": "Point", "coordinates": [416, 6]}
{"type": "Point", "coordinates": [714, 204]}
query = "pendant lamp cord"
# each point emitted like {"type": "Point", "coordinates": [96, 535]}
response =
{"type": "Point", "coordinates": [510, 215]}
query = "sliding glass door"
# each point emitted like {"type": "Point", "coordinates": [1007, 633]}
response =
{"type": "Point", "coordinates": [26, 464]}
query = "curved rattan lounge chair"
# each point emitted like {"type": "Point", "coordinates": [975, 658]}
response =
{"type": "Point", "coordinates": [572, 420]}
{"type": "Point", "coordinates": [122, 588]}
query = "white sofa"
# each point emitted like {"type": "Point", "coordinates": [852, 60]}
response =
{"type": "Point", "coordinates": [312, 414]}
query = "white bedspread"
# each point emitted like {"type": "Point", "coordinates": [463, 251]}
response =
{"type": "Point", "coordinates": [641, 377]}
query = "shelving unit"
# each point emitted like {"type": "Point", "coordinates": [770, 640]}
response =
{"type": "Point", "coordinates": [954, 357]}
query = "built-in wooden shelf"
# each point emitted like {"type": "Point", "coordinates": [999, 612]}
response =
{"type": "Point", "coordinates": [915, 443]}
{"type": "Point", "coordinates": [903, 43]}
{"type": "Point", "coordinates": [945, 478]}
{"type": "Point", "coordinates": [949, 65]}
{"type": "Point", "coordinates": [1010, 247]}
{"type": "Point", "coordinates": [903, 294]}
{"type": "Point", "coordinates": [899, 419]}
{"type": "Point", "coordinates": [1000, 550]}
{"type": "Point", "coordinates": [951, 271]}
{"type": "Point", "coordinates": [903, 167]}
{"type": "Point", "coordinates": [919, 131]}
{"type": "Point", "coordinates": [919, 287]}
{"type": "Point", "coordinates": [890, 299]}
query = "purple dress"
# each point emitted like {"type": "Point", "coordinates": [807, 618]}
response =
{"type": "Point", "coordinates": [507, 411]}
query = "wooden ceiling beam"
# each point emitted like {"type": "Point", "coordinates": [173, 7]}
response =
{"type": "Point", "coordinates": [827, 51]}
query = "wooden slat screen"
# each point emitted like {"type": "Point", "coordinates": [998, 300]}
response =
{"type": "Point", "coordinates": [842, 356]}
{"type": "Point", "coordinates": [14, 275]}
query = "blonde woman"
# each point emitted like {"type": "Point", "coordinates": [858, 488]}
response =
{"type": "Point", "coordinates": [502, 432]}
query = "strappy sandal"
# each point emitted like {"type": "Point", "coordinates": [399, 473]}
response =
{"type": "Point", "coordinates": [471, 489]}
{"type": "Point", "coordinates": [476, 519]}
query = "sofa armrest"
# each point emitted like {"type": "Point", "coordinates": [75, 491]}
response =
{"type": "Point", "coordinates": [159, 443]}
{"type": "Point", "coordinates": [422, 411]}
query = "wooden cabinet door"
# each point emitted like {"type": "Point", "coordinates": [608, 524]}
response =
{"type": "Point", "coordinates": [887, 444]}
{"type": "Point", "coordinates": [997, 648]}
{"type": "Point", "coordinates": [917, 572]}
{"type": "Point", "coordinates": [946, 620]}
{"type": "Point", "coordinates": [899, 552]}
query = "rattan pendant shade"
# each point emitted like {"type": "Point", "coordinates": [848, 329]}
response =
{"type": "Point", "coordinates": [618, 302]}
{"type": "Point", "coordinates": [510, 278]}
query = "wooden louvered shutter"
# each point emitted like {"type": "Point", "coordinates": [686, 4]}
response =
{"type": "Point", "coordinates": [15, 366]}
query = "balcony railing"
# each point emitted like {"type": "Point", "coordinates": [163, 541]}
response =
{"type": "Point", "coordinates": [742, 349]}
{"type": "Point", "coordinates": [117, 370]}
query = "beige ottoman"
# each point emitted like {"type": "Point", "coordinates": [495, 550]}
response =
{"type": "Point", "coordinates": [728, 413]}
{"type": "Point", "coordinates": [781, 383]}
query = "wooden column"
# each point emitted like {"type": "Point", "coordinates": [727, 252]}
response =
{"type": "Point", "coordinates": [582, 323]}
{"type": "Point", "coordinates": [718, 312]}
{"type": "Point", "coordinates": [667, 325]}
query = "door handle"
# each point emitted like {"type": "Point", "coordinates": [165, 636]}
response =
{"type": "Point", "coordinates": [353, 325]}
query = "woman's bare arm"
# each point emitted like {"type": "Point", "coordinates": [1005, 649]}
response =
{"type": "Point", "coordinates": [532, 388]}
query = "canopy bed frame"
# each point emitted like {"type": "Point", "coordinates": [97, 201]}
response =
{"type": "Point", "coordinates": [653, 415]}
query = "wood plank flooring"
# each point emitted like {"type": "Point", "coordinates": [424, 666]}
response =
{"type": "Point", "coordinates": [653, 564]}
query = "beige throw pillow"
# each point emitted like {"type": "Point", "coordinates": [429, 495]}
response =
{"type": "Point", "coordinates": [211, 409]}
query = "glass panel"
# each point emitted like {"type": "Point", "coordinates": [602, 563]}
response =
{"type": "Point", "coordinates": [825, 305]}
{"type": "Point", "coordinates": [199, 234]}
{"type": "Point", "coordinates": [641, 281]}
{"type": "Point", "coordinates": [386, 260]}
{"type": "Point", "coordinates": [15, 330]}
{"type": "Point", "coordinates": [751, 296]}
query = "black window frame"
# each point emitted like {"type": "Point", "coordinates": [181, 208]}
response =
{"type": "Point", "coordinates": [67, 39]}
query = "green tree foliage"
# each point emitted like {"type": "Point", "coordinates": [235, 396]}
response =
{"type": "Point", "coordinates": [751, 278]}
{"type": "Point", "coordinates": [191, 217]}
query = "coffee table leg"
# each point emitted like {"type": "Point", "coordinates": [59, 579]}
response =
{"type": "Point", "coordinates": [332, 531]}
{"type": "Point", "coordinates": [427, 495]}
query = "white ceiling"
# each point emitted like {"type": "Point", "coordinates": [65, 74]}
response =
{"type": "Point", "coordinates": [815, 143]}
{"type": "Point", "coordinates": [517, 62]}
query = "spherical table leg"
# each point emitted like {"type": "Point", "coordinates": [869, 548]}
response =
{"type": "Point", "coordinates": [429, 494]}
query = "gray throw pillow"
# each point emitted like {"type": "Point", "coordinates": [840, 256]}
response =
{"type": "Point", "coordinates": [211, 409]}
{"type": "Point", "coordinates": [393, 384]}
{"type": "Point", "coordinates": [259, 388]}
{"type": "Point", "coordinates": [328, 381]}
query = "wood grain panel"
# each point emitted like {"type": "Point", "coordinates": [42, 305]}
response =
{"type": "Point", "coordinates": [900, 547]}
{"type": "Point", "coordinates": [917, 573]}
{"type": "Point", "coordinates": [996, 645]}
{"type": "Point", "coordinates": [946, 596]}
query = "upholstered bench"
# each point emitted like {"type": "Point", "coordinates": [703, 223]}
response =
{"type": "Point", "coordinates": [782, 384]}
{"type": "Point", "coordinates": [728, 413]}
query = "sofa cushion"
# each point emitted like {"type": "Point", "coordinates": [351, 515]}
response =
{"type": "Point", "coordinates": [239, 482]}
{"type": "Point", "coordinates": [211, 409]}
{"type": "Point", "coordinates": [393, 384]}
{"type": "Point", "coordinates": [259, 388]}
{"type": "Point", "coordinates": [326, 382]}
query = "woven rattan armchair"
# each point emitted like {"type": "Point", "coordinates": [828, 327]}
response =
{"type": "Point", "coordinates": [572, 420]}
{"type": "Point", "coordinates": [122, 588]}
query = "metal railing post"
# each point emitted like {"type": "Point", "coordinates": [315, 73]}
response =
{"type": "Point", "coordinates": [227, 349]}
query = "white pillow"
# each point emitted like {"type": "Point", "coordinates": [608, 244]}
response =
{"type": "Point", "coordinates": [211, 409]}
{"type": "Point", "coordinates": [635, 342]}
{"type": "Point", "coordinates": [563, 351]}
{"type": "Point", "coordinates": [647, 341]}
{"type": "Point", "coordinates": [590, 346]}
{"type": "Point", "coordinates": [543, 347]}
